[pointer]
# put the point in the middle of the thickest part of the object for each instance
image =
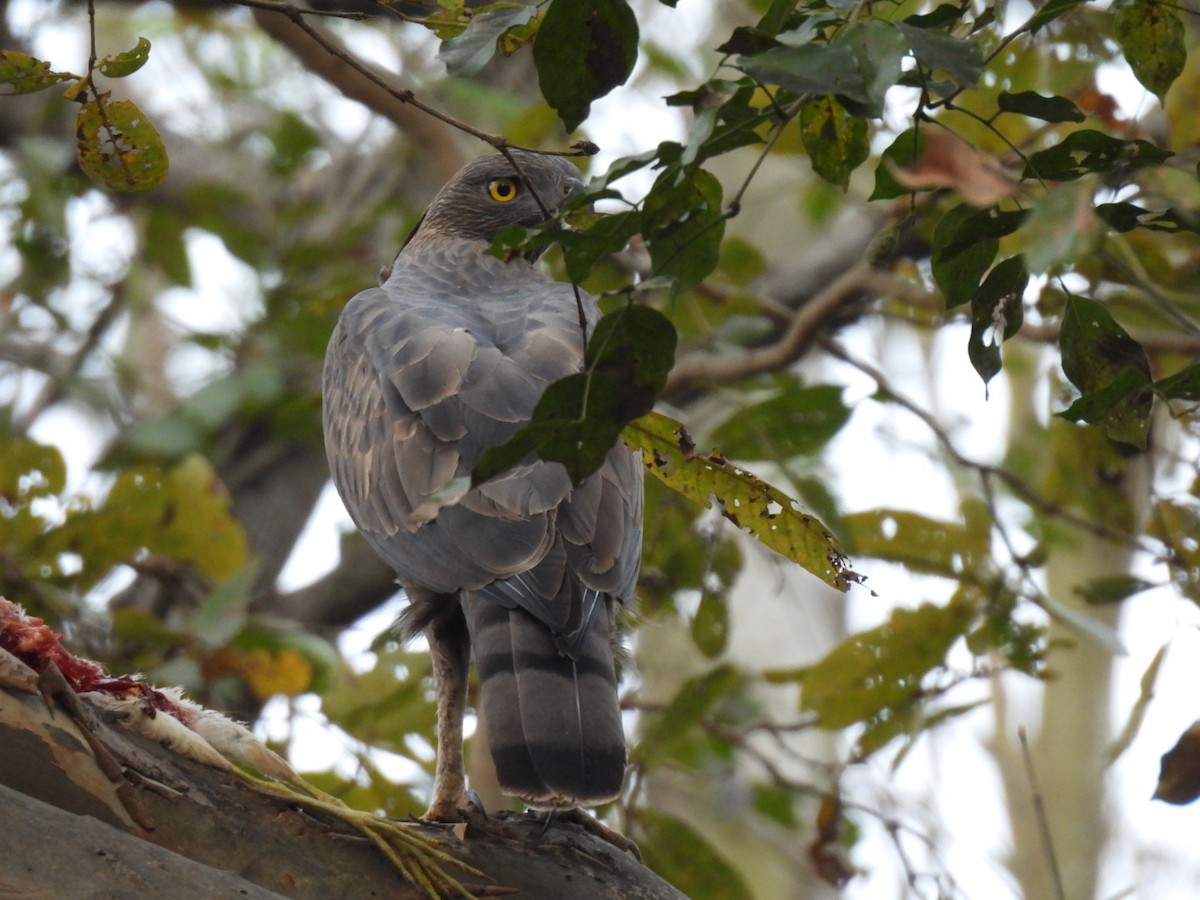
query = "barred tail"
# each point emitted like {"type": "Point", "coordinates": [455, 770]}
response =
{"type": "Point", "coordinates": [553, 719]}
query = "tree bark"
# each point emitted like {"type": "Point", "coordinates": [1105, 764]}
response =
{"type": "Point", "coordinates": [164, 825]}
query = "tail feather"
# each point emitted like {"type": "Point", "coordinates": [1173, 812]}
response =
{"type": "Point", "coordinates": [553, 720]}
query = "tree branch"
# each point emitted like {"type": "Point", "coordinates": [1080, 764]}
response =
{"type": "Point", "coordinates": [325, 57]}
{"type": "Point", "coordinates": [67, 819]}
{"type": "Point", "coordinates": [707, 368]}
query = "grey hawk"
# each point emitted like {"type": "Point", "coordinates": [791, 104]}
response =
{"type": "Point", "coordinates": [447, 358]}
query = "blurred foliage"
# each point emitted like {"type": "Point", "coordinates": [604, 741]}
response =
{"type": "Point", "coordinates": [1010, 196]}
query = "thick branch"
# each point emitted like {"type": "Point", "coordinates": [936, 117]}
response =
{"type": "Point", "coordinates": [234, 834]}
{"type": "Point", "coordinates": [706, 368]}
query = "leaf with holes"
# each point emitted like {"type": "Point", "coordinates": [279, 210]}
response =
{"type": "Point", "coordinates": [877, 676]}
{"type": "Point", "coordinates": [21, 73]}
{"type": "Point", "coordinates": [748, 502]}
{"type": "Point", "coordinates": [1081, 152]}
{"type": "Point", "coordinates": [837, 142]}
{"type": "Point", "coordinates": [118, 65]}
{"type": "Point", "coordinates": [996, 315]}
{"type": "Point", "coordinates": [117, 146]}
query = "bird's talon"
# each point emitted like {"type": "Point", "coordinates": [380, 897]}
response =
{"type": "Point", "coordinates": [475, 803]}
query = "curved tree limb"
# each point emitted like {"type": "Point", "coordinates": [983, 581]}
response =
{"type": "Point", "coordinates": [159, 817]}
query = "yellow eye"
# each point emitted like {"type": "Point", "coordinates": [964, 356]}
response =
{"type": "Point", "coordinates": [502, 190]}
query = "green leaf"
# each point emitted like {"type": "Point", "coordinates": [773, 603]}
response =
{"type": "Point", "coordinates": [997, 312]}
{"type": "Point", "coordinates": [470, 51]}
{"type": "Point", "coordinates": [21, 73]}
{"type": "Point", "coordinates": [1037, 106]}
{"type": "Point", "coordinates": [837, 143]}
{"type": "Point", "coordinates": [1061, 228]}
{"type": "Point", "coordinates": [961, 58]}
{"type": "Point", "coordinates": [683, 224]}
{"type": "Point", "coordinates": [224, 611]}
{"type": "Point", "coordinates": [1051, 11]}
{"type": "Point", "coordinates": [809, 69]}
{"type": "Point", "coordinates": [682, 856]}
{"type": "Point", "coordinates": [920, 543]}
{"type": "Point", "coordinates": [575, 423]}
{"type": "Point", "coordinates": [943, 15]}
{"type": "Point", "coordinates": [579, 418]}
{"type": "Point", "coordinates": [29, 470]}
{"type": "Point", "coordinates": [1087, 150]}
{"type": "Point", "coordinates": [608, 234]}
{"type": "Point", "coordinates": [798, 420]}
{"type": "Point", "coordinates": [585, 48]}
{"type": "Point", "coordinates": [961, 254]}
{"type": "Point", "coordinates": [117, 146]}
{"type": "Point", "coordinates": [164, 243]}
{"type": "Point", "coordinates": [710, 626]}
{"type": "Point", "coordinates": [876, 677]}
{"type": "Point", "coordinates": [747, 40]}
{"type": "Point", "coordinates": [1123, 217]}
{"type": "Point", "coordinates": [766, 512]}
{"type": "Point", "coordinates": [880, 50]}
{"type": "Point", "coordinates": [118, 65]}
{"type": "Point", "coordinates": [1151, 35]}
{"type": "Point", "coordinates": [1110, 367]}
{"type": "Point", "coordinates": [668, 731]}
{"type": "Point", "coordinates": [385, 704]}
{"type": "Point", "coordinates": [1183, 385]}
{"type": "Point", "coordinates": [1105, 589]}
{"type": "Point", "coordinates": [635, 346]}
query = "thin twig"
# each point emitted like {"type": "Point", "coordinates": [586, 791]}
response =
{"type": "Point", "coordinates": [1039, 811]}
{"type": "Point", "coordinates": [710, 368]}
{"type": "Point", "coordinates": [291, 10]}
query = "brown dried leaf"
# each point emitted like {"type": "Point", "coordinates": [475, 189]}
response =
{"type": "Point", "coordinates": [1179, 777]}
{"type": "Point", "coordinates": [947, 161]}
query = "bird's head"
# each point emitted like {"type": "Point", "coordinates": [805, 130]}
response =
{"type": "Point", "coordinates": [490, 194]}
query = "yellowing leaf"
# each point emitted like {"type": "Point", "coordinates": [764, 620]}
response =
{"type": "Point", "coordinates": [282, 671]}
{"type": "Point", "coordinates": [919, 542]}
{"type": "Point", "coordinates": [21, 73]}
{"type": "Point", "coordinates": [876, 677]}
{"type": "Point", "coordinates": [764, 511]}
{"type": "Point", "coordinates": [202, 529]}
{"type": "Point", "coordinates": [837, 142]}
{"type": "Point", "coordinates": [117, 146]}
{"type": "Point", "coordinates": [118, 65]}
{"type": "Point", "coordinates": [1151, 36]}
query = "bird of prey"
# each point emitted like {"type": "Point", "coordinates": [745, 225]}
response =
{"type": "Point", "coordinates": [447, 358]}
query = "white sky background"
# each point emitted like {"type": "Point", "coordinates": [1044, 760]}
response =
{"type": "Point", "coordinates": [949, 776]}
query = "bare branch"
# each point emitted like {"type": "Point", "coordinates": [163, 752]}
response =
{"type": "Point", "coordinates": [703, 367]}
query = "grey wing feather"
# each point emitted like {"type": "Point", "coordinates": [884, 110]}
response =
{"type": "Point", "coordinates": [430, 385]}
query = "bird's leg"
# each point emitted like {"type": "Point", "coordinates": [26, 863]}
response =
{"type": "Point", "coordinates": [450, 647]}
